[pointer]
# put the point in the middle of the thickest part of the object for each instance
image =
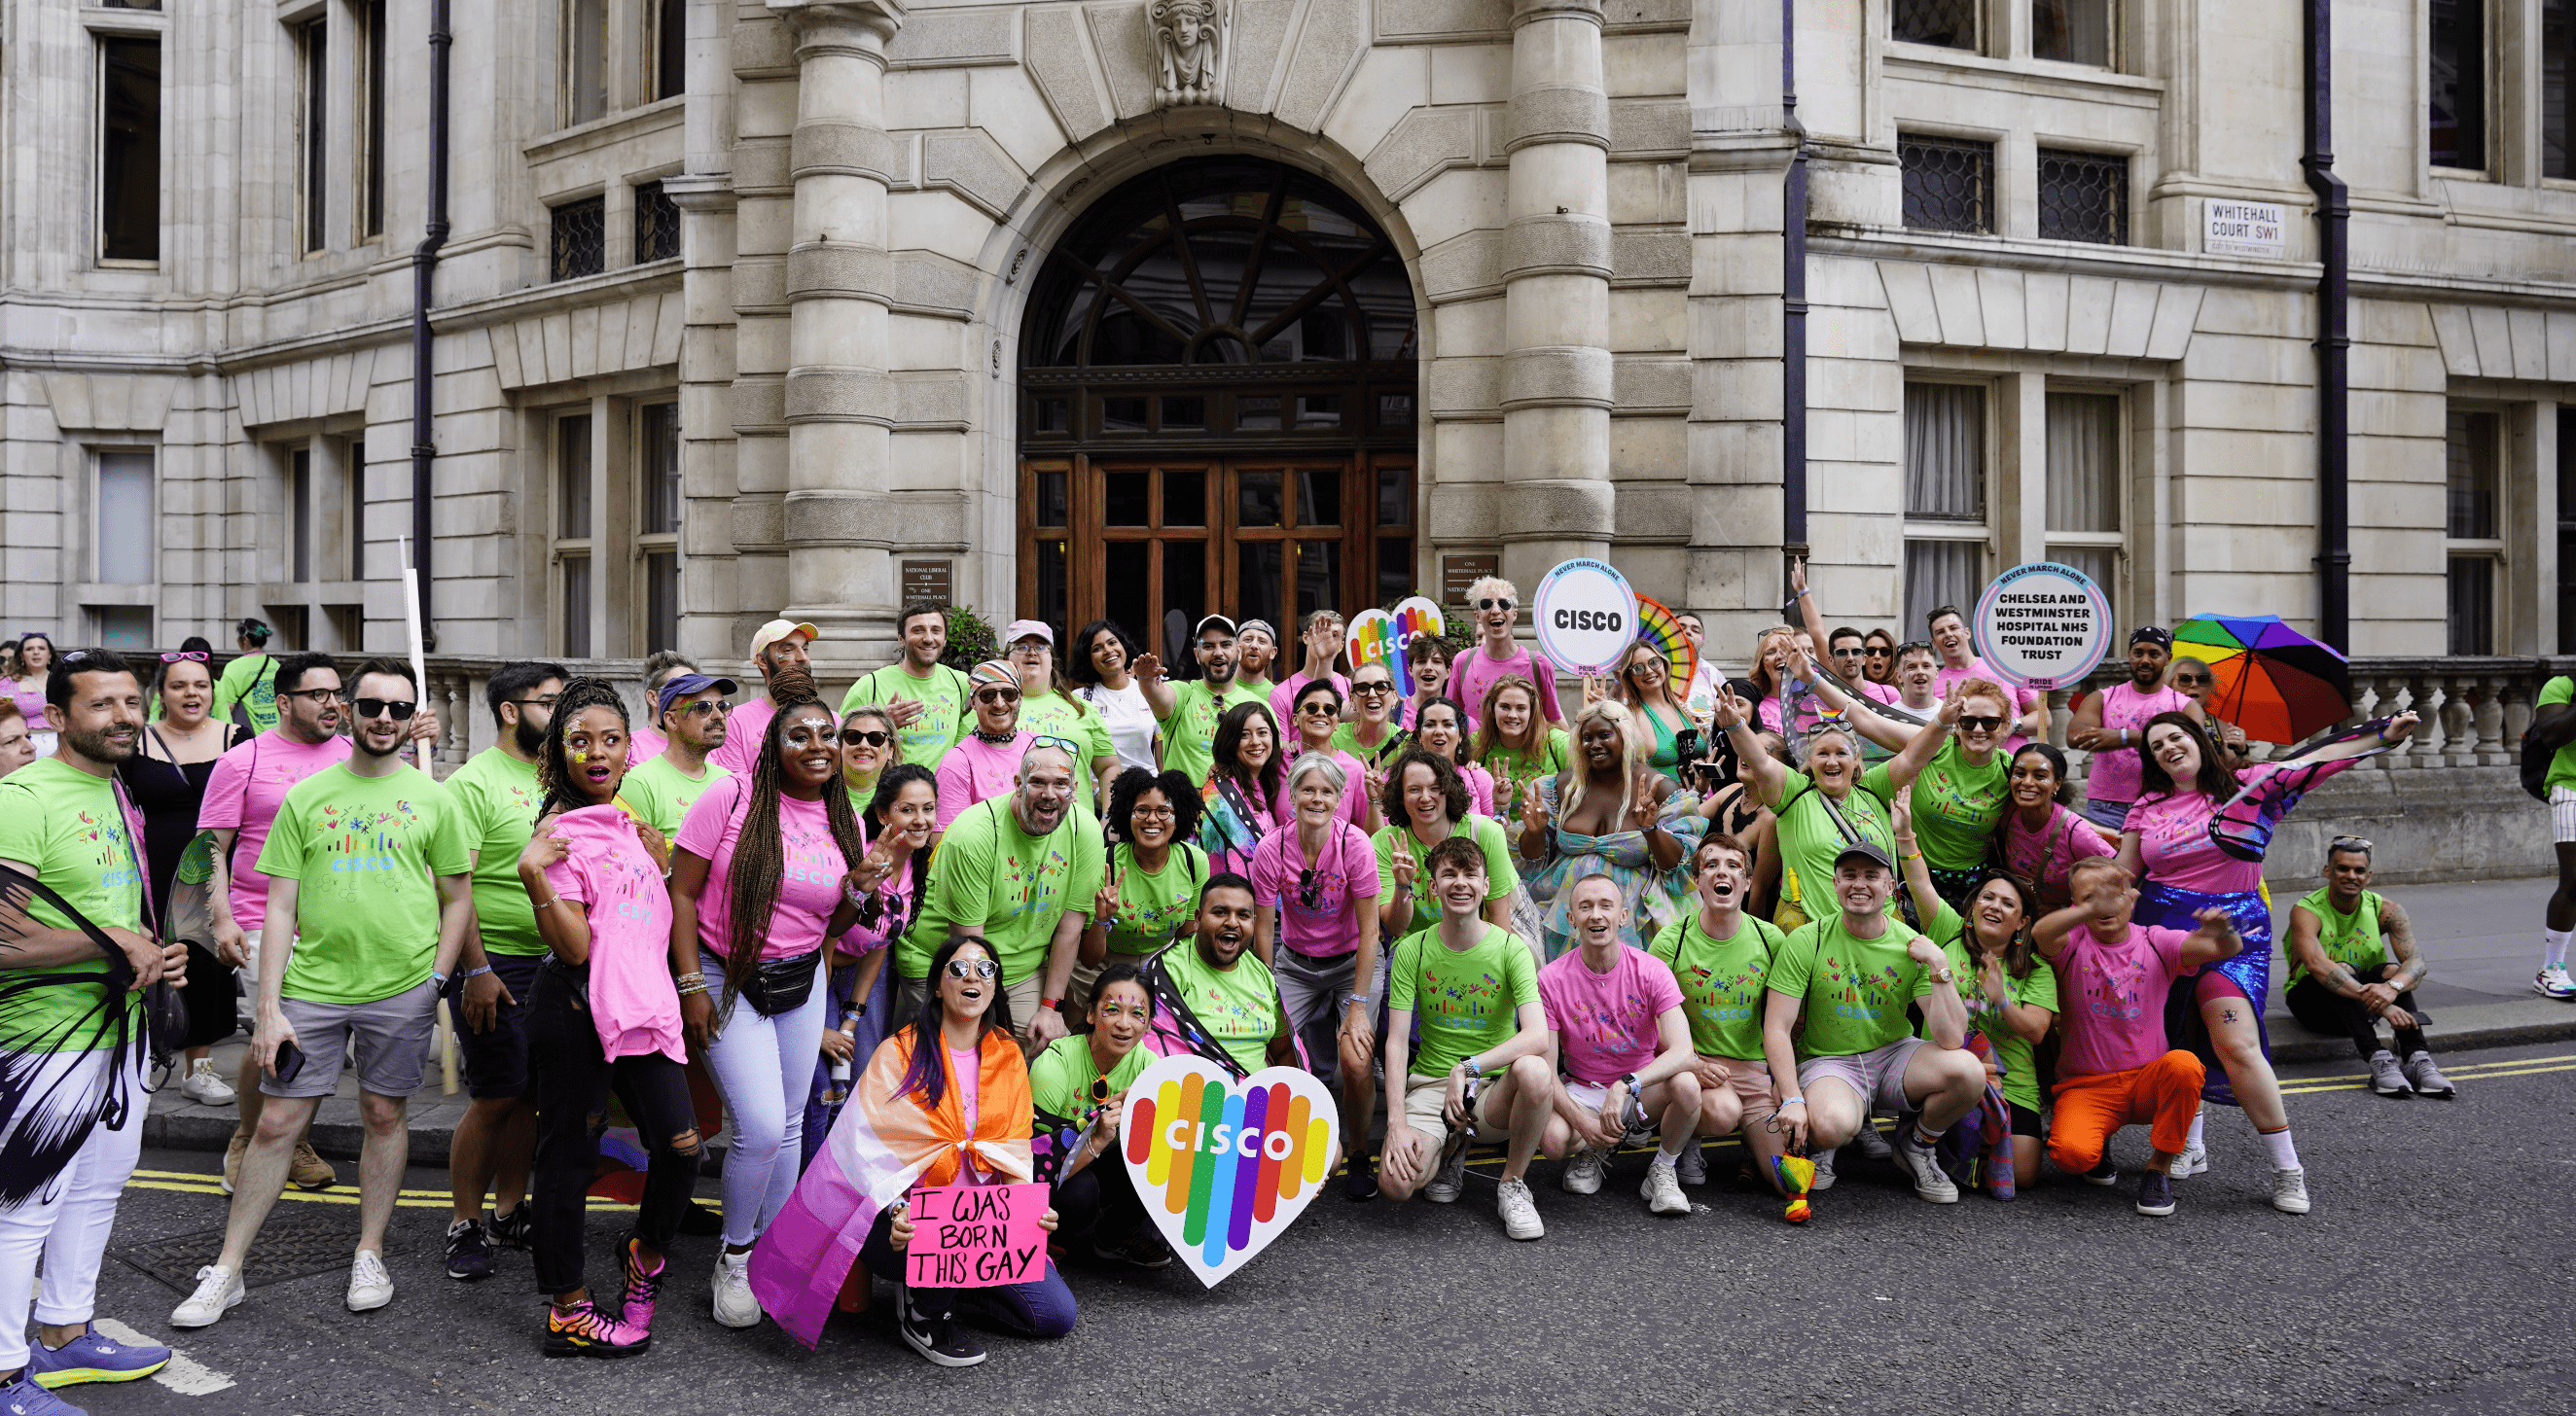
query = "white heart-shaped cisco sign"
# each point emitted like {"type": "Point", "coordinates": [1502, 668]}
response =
{"type": "Point", "coordinates": [1224, 1166]}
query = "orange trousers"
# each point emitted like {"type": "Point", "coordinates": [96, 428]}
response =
{"type": "Point", "coordinates": [2164, 1093]}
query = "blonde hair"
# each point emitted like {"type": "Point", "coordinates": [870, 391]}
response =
{"type": "Point", "coordinates": [1632, 758]}
{"type": "Point", "coordinates": [1760, 673]}
{"type": "Point", "coordinates": [1494, 587]}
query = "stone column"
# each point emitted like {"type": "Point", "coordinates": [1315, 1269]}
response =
{"type": "Point", "coordinates": [1556, 272]}
{"type": "Point", "coordinates": [709, 599]}
{"type": "Point", "coordinates": [839, 527]}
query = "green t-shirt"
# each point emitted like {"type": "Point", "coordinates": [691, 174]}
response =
{"type": "Point", "coordinates": [1855, 990]}
{"type": "Point", "coordinates": [363, 851]}
{"type": "Point", "coordinates": [2352, 940]}
{"type": "Point", "coordinates": [1239, 1006]}
{"type": "Point", "coordinates": [1722, 982]}
{"type": "Point", "coordinates": [1956, 806]}
{"type": "Point", "coordinates": [1469, 1002]}
{"type": "Point", "coordinates": [1058, 716]}
{"type": "Point", "coordinates": [1152, 908]}
{"type": "Point", "coordinates": [1346, 738]}
{"type": "Point", "coordinates": [497, 795]}
{"type": "Point", "coordinates": [1189, 730]}
{"type": "Point", "coordinates": [1519, 768]}
{"type": "Point", "coordinates": [943, 697]}
{"type": "Point", "coordinates": [1060, 1078]}
{"type": "Point", "coordinates": [988, 872]}
{"type": "Point", "coordinates": [1500, 879]}
{"type": "Point", "coordinates": [250, 681]}
{"type": "Point", "coordinates": [2562, 766]}
{"type": "Point", "coordinates": [65, 823]}
{"type": "Point", "coordinates": [1985, 1015]}
{"type": "Point", "coordinates": [662, 794]}
{"type": "Point", "coordinates": [1809, 839]}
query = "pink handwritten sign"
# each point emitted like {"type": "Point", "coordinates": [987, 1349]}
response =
{"type": "Point", "coordinates": [976, 1236]}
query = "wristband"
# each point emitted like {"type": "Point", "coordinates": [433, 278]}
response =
{"type": "Point", "coordinates": [1473, 1068]}
{"type": "Point", "coordinates": [438, 978]}
{"type": "Point", "coordinates": [1793, 1101]}
{"type": "Point", "coordinates": [1350, 998]}
{"type": "Point", "coordinates": [1049, 1002]}
{"type": "Point", "coordinates": [476, 973]}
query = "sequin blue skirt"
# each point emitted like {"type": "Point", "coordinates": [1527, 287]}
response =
{"type": "Point", "coordinates": [2171, 907]}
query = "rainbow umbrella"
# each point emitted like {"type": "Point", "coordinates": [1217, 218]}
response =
{"type": "Point", "coordinates": [2274, 682]}
{"type": "Point", "coordinates": [1662, 628]}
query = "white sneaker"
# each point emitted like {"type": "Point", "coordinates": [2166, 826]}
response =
{"type": "Point", "coordinates": [1824, 1172]}
{"type": "Point", "coordinates": [1450, 1180]}
{"type": "Point", "coordinates": [1583, 1171]}
{"type": "Point", "coordinates": [2554, 982]}
{"type": "Point", "coordinates": [2290, 1191]}
{"type": "Point", "coordinates": [1520, 1213]}
{"type": "Point", "coordinates": [1663, 1190]}
{"type": "Point", "coordinates": [2194, 1160]}
{"type": "Point", "coordinates": [1923, 1165]}
{"type": "Point", "coordinates": [370, 1287]}
{"type": "Point", "coordinates": [218, 1289]}
{"type": "Point", "coordinates": [1871, 1142]}
{"type": "Point", "coordinates": [735, 1307]}
{"type": "Point", "coordinates": [1693, 1165]}
{"type": "Point", "coordinates": [205, 1086]}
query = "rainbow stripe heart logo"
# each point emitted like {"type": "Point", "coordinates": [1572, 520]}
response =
{"type": "Point", "coordinates": [1225, 1165]}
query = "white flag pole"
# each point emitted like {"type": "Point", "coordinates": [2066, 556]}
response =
{"type": "Point", "coordinates": [420, 753]}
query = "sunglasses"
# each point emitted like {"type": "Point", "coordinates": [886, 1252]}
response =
{"type": "Point", "coordinates": [1318, 706]}
{"type": "Point", "coordinates": [1310, 891]}
{"type": "Point", "coordinates": [1974, 723]}
{"type": "Point", "coordinates": [972, 968]}
{"type": "Point", "coordinates": [1060, 744]}
{"type": "Point", "coordinates": [1881, 652]}
{"type": "Point", "coordinates": [855, 738]}
{"type": "Point", "coordinates": [399, 709]}
{"type": "Point", "coordinates": [997, 695]}
{"type": "Point", "coordinates": [176, 655]}
{"type": "Point", "coordinates": [707, 708]}
{"type": "Point", "coordinates": [2348, 843]}
{"type": "Point", "coordinates": [1372, 689]}
{"type": "Point", "coordinates": [2191, 680]}
{"type": "Point", "coordinates": [1506, 606]}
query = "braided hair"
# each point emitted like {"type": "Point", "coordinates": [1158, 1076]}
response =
{"type": "Point", "coordinates": [760, 848]}
{"type": "Point", "coordinates": [554, 767]}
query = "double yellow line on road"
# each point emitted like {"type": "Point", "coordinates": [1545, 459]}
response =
{"type": "Point", "coordinates": [192, 1182]}
{"type": "Point", "coordinates": [2473, 1071]}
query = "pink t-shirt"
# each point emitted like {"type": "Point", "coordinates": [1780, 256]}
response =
{"type": "Point", "coordinates": [864, 938]}
{"type": "Point", "coordinates": [2064, 838]}
{"type": "Point", "coordinates": [808, 889]}
{"type": "Point", "coordinates": [643, 745]}
{"type": "Point", "coordinates": [1605, 1023]}
{"type": "Point", "coordinates": [968, 1068]}
{"type": "Point", "coordinates": [2115, 769]}
{"type": "Point", "coordinates": [242, 796]}
{"type": "Point", "coordinates": [1284, 698]}
{"type": "Point", "coordinates": [2173, 840]}
{"type": "Point", "coordinates": [975, 770]}
{"type": "Point", "coordinates": [612, 876]}
{"type": "Point", "coordinates": [1283, 807]}
{"type": "Point", "coordinates": [744, 732]}
{"type": "Point", "coordinates": [1480, 787]}
{"type": "Point", "coordinates": [1473, 675]}
{"type": "Point", "coordinates": [2113, 998]}
{"type": "Point", "coordinates": [1347, 869]}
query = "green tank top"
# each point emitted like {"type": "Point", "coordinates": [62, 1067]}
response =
{"type": "Point", "coordinates": [2352, 940]}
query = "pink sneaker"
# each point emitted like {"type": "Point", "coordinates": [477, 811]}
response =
{"type": "Point", "coordinates": [584, 1331]}
{"type": "Point", "coordinates": [643, 1289]}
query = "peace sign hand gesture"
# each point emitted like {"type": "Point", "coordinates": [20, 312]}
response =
{"type": "Point", "coordinates": [1730, 711]}
{"type": "Point", "coordinates": [1401, 865]}
{"type": "Point", "coordinates": [1104, 907]}
{"type": "Point", "coordinates": [1533, 808]}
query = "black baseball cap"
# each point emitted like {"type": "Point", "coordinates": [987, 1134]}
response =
{"type": "Point", "coordinates": [1865, 850]}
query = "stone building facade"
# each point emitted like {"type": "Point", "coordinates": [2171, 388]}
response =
{"type": "Point", "coordinates": [1150, 307]}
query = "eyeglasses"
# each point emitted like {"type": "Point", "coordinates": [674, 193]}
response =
{"type": "Point", "coordinates": [1506, 606]}
{"type": "Point", "coordinates": [1152, 813]}
{"type": "Point", "coordinates": [199, 655]}
{"type": "Point", "coordinates": [853, 737]}
{"type": "Point", "coordinates": [318, 697]}
{"type": "Point", "coordinates": [1372, 689]}
{"type": "Point", "coordinates": [972, 968]}
{"type": "Point", "coordinates": [707, 708]}
{"type": "Point", "coordinates": [997, 695]}
{"type": "Point", "coordinates": [1979, 724]}
{"type": "Point", "coordinates": [400, 709]}
{"type": "Point", "coordinates": [547, 702]}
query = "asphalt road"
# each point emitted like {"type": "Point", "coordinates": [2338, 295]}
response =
{"type": "Point", "coordinates": [2434, 1276]}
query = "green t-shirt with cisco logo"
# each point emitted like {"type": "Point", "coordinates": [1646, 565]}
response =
{"type": "Point", "coordinates": [364, 851]}
{"type": "Point", "coordinates": [65, 823]}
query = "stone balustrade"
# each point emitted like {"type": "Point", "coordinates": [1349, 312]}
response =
{"type": "Point", "coordinates": [455, 689]}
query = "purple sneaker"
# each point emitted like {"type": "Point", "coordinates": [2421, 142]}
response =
{"type": "Point", "coordinates": [585, 1331]}
{"type": "Point", "coordinates": [20, 1396]}
{"type": "Point", "coordinates": [92, 1357]}
{"type": "Point", "coordinates": [643, 1289]}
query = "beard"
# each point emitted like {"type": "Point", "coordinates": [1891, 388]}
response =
{"type": "Point", "coordinates": [1220, 671]}
{"type": "Point", "coordinates": [359, 741]}
{"type": "Point", "coordinates": [99, 747]}
{"type": "Point", "coordinates": [529, 737]}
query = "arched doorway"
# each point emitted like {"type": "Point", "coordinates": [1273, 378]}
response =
{"type": "Point", "coordinates": [1217, 407]}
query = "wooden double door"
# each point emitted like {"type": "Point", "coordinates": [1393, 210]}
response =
{"type": "Point", "coordinates": [1155, 543]}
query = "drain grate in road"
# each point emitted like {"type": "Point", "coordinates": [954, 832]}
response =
{"type": "Point", "coordinates": [287, 1248]}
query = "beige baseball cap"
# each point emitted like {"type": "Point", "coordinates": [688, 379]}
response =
{"type": "Point", "coordinates": [776, 630]}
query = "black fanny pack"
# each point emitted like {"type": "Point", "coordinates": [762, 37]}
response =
{"type": "Point", "coordinates": [778, 986]}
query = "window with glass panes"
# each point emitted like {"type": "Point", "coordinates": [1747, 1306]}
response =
{"type": "Point", "coordinates": [573, 529]}
{"type": "Point", "coordinates": [2086, 435]}
{"type": "Point", "coordinates": [657, 528]}
{"type": "Point", "coordinates": [1945, 497]}
{"type": "Point", "coordinates": [2473, 525]}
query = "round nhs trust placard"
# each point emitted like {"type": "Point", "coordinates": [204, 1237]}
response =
{"type": "Point", "coordinates": [1587, 616]}
{"type": "Point", "coordinates": [2042, 625]}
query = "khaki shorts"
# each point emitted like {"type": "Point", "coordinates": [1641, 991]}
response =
{"type": "Point", "coordinates": [1424, 1098]}
{"type": "Point", "coordinates": [1751, 1082]}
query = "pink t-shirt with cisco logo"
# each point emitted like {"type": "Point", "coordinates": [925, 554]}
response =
{"type": "Point", "coordinates": [620, 889]}
{"type": "Point", "coordinates": [242, 796]}
{"type": "Point", "coordinates": [808, 889]}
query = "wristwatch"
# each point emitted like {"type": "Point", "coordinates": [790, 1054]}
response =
{"type": "Point", "coordinates": [1947, 975]}
{"type": "Point", "coordinates": [1471, 1068]}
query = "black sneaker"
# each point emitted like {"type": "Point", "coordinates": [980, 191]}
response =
{"type": "Point", "coordinates": [1359, 1178]}
{"type": "Point", "coordinates": [1144, 1249]}
{"type": "Point", "coordinates": [2104, 1174]}
{"type": "Point", "coordinates": [935, 1338]}
{"type": "Point", "coordinates": [515, 1229]}
{"type": "Point", "coordinates": [469, 1252]}
{"type": "Point", "coordinates": [2155, 1194]}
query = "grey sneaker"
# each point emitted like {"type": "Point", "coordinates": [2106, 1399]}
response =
{"type": "Point", "coordinates": [1520, 1213]}
{"type": "Point", "coordinates": [2290, 1191]}
{"type": "Point", "coordinates": [1693, 1166]}
{"type": "Point", "coordinates": [1824, 1172]}
{"type": "Point", "coordinates": [2426, 1078]}
{"type": "Point", "coordinates": [218, 1290]}
{"type": "Point", "coordinates": [1450, 1179]}
{"type": "Point", "coordinates": [1583, 1171]}
{"type": "Point", "coordinates": [1923, 1165]}
{"type": "Point", "coordinates": [2194, 1160]}
{"type": "Point", "coordinates": [1663, 1190]}
{"type": "Point", "coordinates": [2386, 1077]}
{"type": "Point", "coordinates": [1870, 1142]}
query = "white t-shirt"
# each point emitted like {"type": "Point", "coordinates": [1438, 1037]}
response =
{"type": "Point", "coordinates": [1129, 718]}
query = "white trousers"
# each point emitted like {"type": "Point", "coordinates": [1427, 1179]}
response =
{"type": "Point", "coordinates": [66, 1224]}
{"type": "Point", "coordinates": [764, 1067]}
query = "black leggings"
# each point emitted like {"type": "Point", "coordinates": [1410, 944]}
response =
{"type": "Point", "coordinates": [1098, 1203]}
{"type": "Point", "coordinates": [2322, 1010]}
{"type": "Point", "coordinates": [570, 1080]}
{"type": "Point", "coordinates": [214, 1004]}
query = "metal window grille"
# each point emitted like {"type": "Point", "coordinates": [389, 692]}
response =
{"type": "Point", "coordinates": [1951, 24]}
{"type": "Point", "coordinates": [580, 238]}
{"type": "Point", "coordinates": [1949, 184]}
{"type": "Point", "coordinates": [2083, 196]}
{"type": "Point", "coordinates": [657, 224]}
